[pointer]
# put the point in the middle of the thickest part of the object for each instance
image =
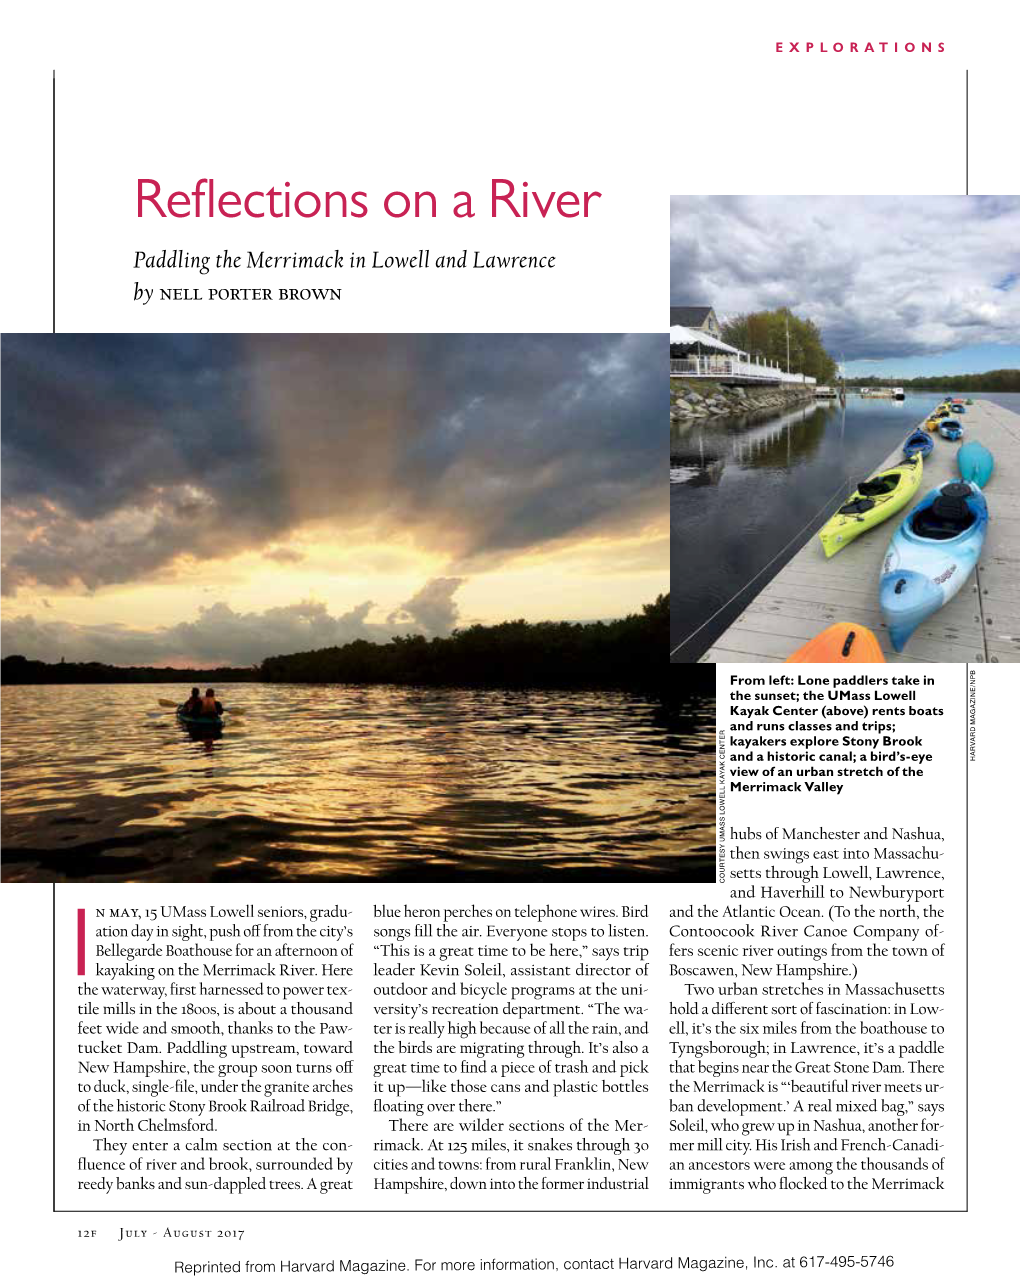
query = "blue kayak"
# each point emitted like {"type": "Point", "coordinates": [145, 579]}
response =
{"type": "Point", "coordinates": [975, 463]}
{"type": "Point", "coordinates": [931, 555]}
{"type": "Point", "coordinates": [919, 443]}
{"type": "Point", "coordinates": [951, 430]}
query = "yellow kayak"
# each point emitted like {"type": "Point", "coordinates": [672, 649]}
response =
{"type": "Point", "coordinates": [874, 501]}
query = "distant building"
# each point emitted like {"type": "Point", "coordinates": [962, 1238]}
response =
{"type": "Point", "coordinates": [696, 317]}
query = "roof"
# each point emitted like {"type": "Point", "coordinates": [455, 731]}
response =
{"type": "Point", "coordinates": [680, 336]}
{"type": "Point", "coordinates": [690, 316]}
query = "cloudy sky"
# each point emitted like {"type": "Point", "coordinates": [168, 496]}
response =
{"type": "Point", "coordinates": [902, 286]}
{"type": "Point", "coordinates": [221, 499]}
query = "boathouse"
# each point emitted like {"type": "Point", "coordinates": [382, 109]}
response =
{"type": "Point", "coordinates": [702, 319]}
{"type": "Point", "coordinates": [695, 353]}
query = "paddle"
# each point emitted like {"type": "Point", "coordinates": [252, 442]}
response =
{"type": "Point", "coordinates": [172, 705]}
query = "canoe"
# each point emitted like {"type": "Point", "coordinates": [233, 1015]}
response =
{"type": "Point", "coordinates": [843, 643]}
{"type": "Point", "coordinates": [950, 430]}
{"type": "Point", "coordinates": [206, 721]}
{"type": "Point", "coordinates": [975, 463]}
{"type": "Point", "coordinates": [874, 500]}
{"type": "Point", "coordinates": [918, 442]}
{"type": "Point", "coordinates": [931, 555]}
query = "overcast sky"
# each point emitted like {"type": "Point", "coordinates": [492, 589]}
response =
{"type": "Point", "coordinates": [918, 284]}
{"type": "Point", "coordinates": [226, 498]}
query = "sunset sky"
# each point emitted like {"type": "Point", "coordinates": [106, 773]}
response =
{"type": "Point", "coordinates": [207, 499]}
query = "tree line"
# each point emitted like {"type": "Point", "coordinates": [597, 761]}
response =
{"type": "Point", "coordinates": [628, 653]}
{"type": "Point", "coordinates": [19, 669]}
{"type": "Point", "coordinates": [999, 379]}
{"type": "Point", "coordinates": [763, 335]}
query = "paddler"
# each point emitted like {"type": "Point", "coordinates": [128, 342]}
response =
{"type": "Point", "coordinates": [209, 705]}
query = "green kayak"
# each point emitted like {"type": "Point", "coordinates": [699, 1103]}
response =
{"type": "Point", "coordinates": [874, 501]}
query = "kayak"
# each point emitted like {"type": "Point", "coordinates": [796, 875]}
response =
{"type": "Point", "coordinates": [199, 720]}
{"type": "Point", "coordinates": [975, 463]}
{"type": "Point", "coordinates": [931, 555]}
{"type": "Point", "coordinates": [842, 643]}
{"type": "Point", "coordinates": [874, 501]}
{"type": "Point", "coordinates": [950, 430]}
{"type": "Point", "coordinates": [918, 442]}
{"type": "Point", "coordinates": [958, 408]}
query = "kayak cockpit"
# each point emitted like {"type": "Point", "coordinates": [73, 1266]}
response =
{"type": "Point", "coordinates": [880, 485]}
{"type": "Point", "coordinates": [948, 516]}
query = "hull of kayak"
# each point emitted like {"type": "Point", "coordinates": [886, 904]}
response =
{"type": "Point", "coordinates": [975, 463]}
{"type": "Point", "coordinates": [927, 561]}
{"type": "Point", "coordinates": [842, 644]}
{"type": "Point", "coordinates": [917, 444]}
{"type": "Point", "coordinates": [868, 508]}
{"type": "Point", "coordinates": [950, 430]}
{"type": "Point", "coordinates": [206, 723]}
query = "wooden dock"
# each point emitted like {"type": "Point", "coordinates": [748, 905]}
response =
{"type": "Point", "coordinates": [981, 624]}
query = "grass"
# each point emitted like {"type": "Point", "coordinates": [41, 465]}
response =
{"type": "Point", "coordinates": [702, 387]}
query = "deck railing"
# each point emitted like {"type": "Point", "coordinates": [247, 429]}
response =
{"type": "Point", "coordinates": [716, 366]}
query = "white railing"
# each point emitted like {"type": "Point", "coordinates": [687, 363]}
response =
{"type": "Point", "coordinates": [716, 366]}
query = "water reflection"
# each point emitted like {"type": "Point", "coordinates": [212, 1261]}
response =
{"type": "Point", "coordinates": [705, 449]}
{"type": "Point", "coordinates": [357, 782]}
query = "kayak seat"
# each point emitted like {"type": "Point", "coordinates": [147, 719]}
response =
{"type": "Point", "coordinates": [857, 507]}
{"type": "Point", "coordinates": [946, 517]}
{"type": "Point", "coordinates": [878, 487]}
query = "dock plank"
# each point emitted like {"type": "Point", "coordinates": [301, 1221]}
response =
{"type": "Point", "coordinates": [981, 624]}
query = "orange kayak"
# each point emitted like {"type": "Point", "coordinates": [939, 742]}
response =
{"type": "Point", "coordinates": [844, 642]}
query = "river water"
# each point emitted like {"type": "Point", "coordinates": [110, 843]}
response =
{"type": "Point", "coordinates": [743, 494]}
{"type": "Point", "coordinates": [327, 782]}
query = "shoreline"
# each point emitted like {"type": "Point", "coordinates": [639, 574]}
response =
{"type": "Point", "coordinates": [699, 402]}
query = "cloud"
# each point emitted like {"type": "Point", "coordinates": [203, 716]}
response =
{"type": "Point", "coordinates": [284, 555]}
{"type": "Point", "coordinates": [882, 276]}
{"type": "Point", "coordinates": [127, 456]}
{"type": "Point", "coordinates": [219, 635]}
{"type": "Point", "coordinates": [433, 608]}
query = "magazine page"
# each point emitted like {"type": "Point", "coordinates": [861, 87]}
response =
{"type": "Point", "coordinates": [414, 860]}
